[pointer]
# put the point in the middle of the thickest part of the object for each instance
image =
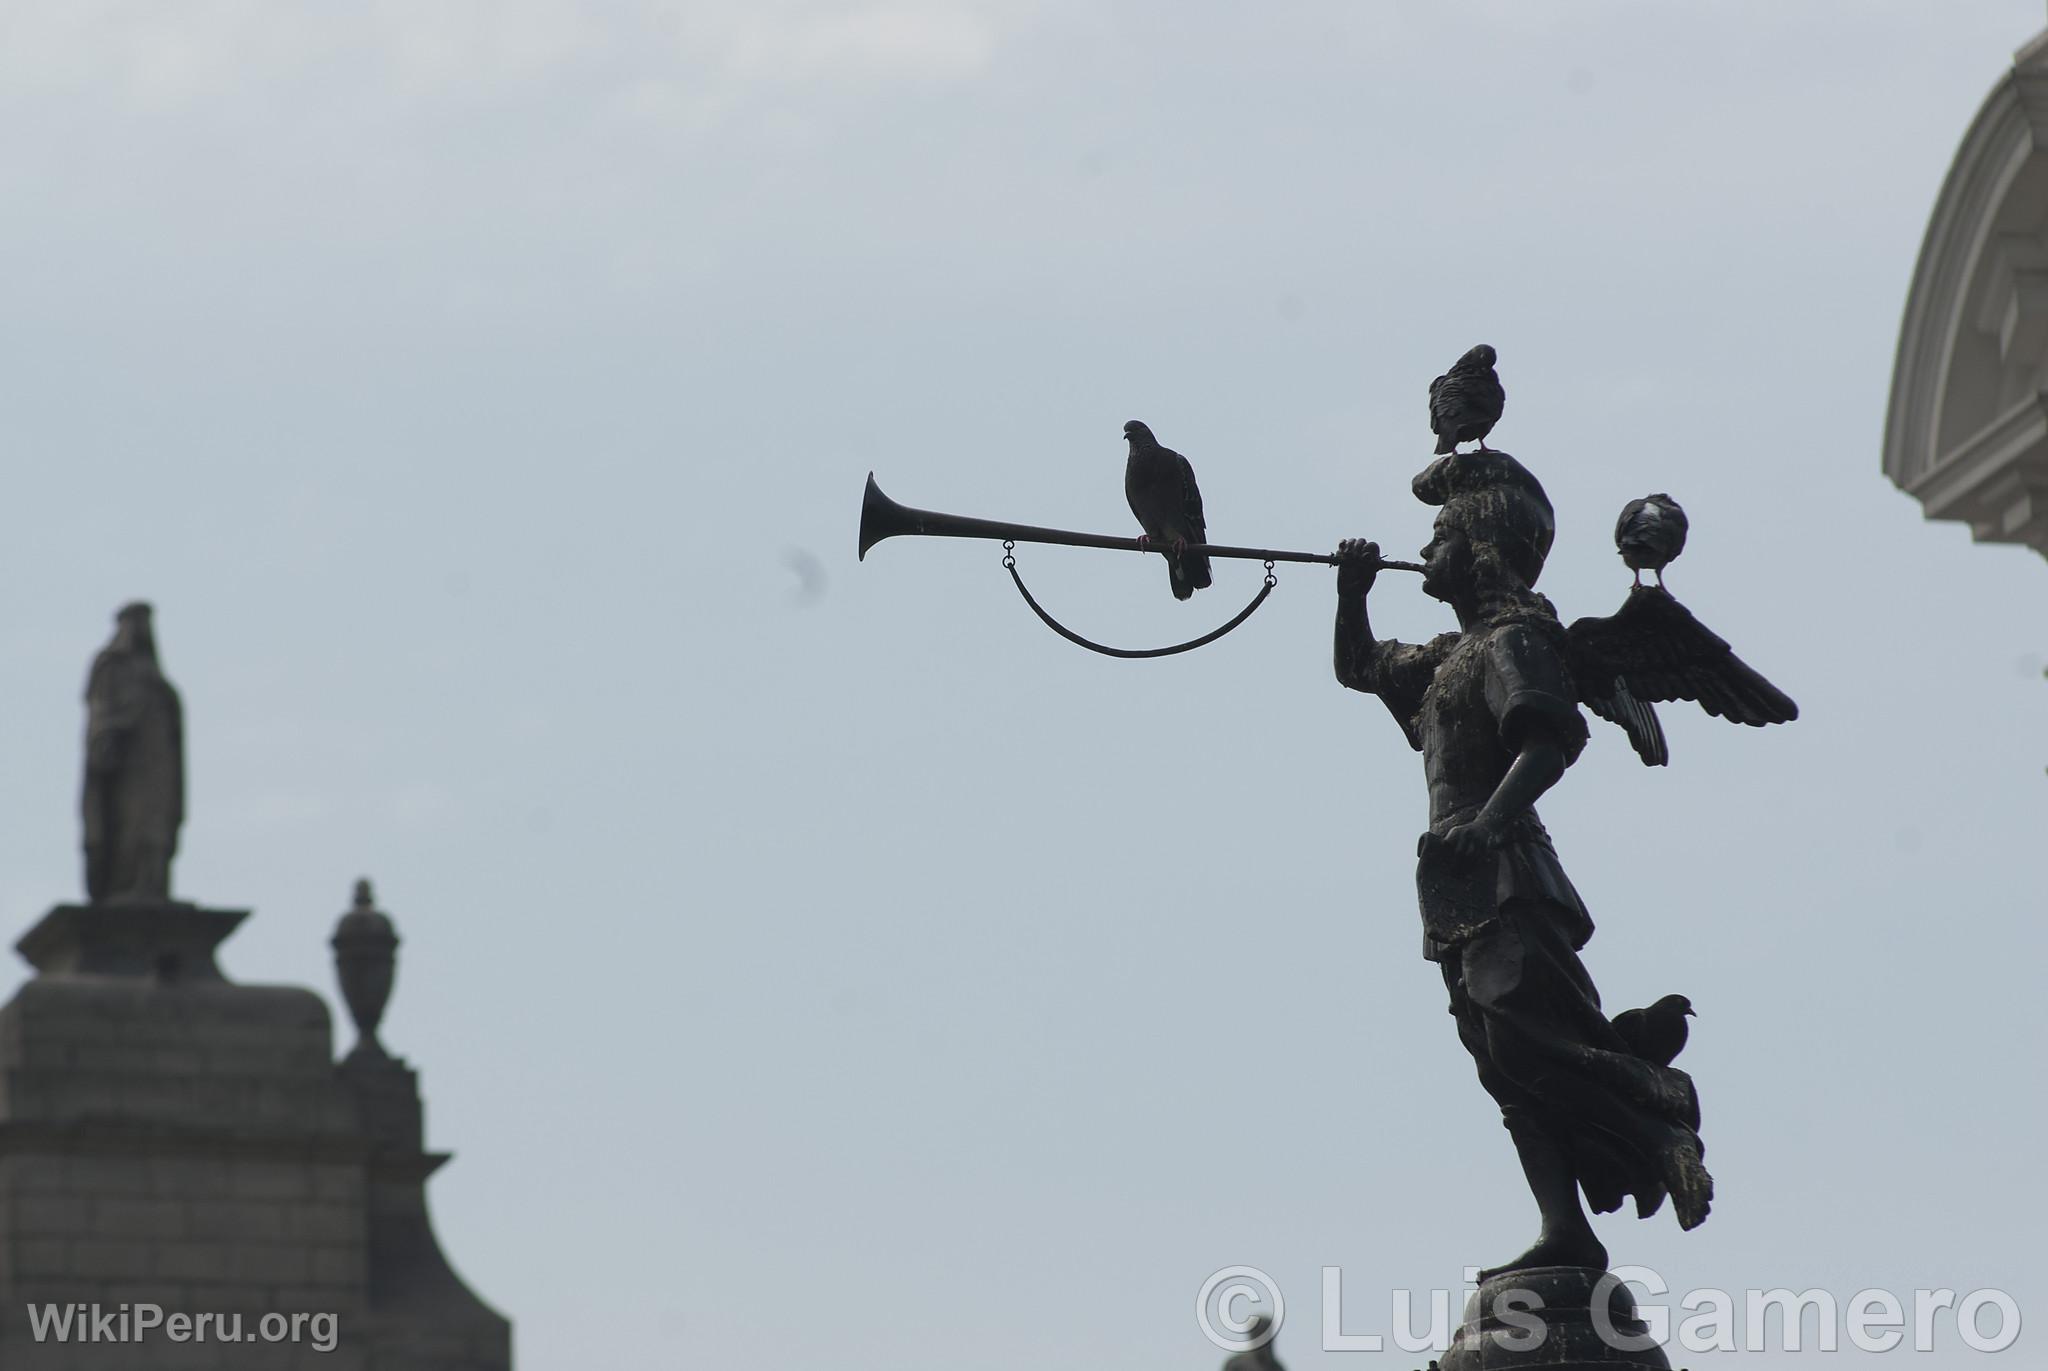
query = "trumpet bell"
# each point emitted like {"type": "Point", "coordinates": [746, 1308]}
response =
{"type": "Point", "coordinates": [879, 517]}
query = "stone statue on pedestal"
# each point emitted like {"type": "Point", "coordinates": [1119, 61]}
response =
{"type": "Point", "coordinates": [134, 796]}
{"type": "Point", "coordinates": [288, 1186]}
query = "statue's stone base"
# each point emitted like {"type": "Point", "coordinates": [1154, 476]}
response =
{"type": "Point", "coordinates": [170, 1138]}
{"type": "Point", "coordinates": [166, 940]}
{"type": "Point", "coordinates": [1498, 1333]}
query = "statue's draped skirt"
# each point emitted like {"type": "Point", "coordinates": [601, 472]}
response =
{"type": "Point", "coordinates": [1507, 929]}
{"type": "Point", "coordinates": [1530, 1016]}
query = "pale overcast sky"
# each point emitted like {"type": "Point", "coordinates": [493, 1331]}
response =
{"type": "Point", "coordinates": [872, 980]}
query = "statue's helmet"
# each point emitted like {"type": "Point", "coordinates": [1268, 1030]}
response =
{"type": "Point", "coordinates": [135, 611]}
{"type": "Point", "coordinates": [1496, 501]}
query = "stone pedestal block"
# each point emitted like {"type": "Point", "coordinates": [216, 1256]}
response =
{"type": "Point", "coordinates": [159, 940]}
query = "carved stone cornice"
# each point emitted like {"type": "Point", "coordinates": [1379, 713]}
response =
{"type": "Point", "coordinates": [1966, 431]}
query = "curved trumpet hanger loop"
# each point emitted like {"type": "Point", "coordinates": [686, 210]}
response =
{"type": "Point", "coordinates": [1010, 565]}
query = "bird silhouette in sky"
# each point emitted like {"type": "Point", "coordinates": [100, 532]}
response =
{"type": "Point", "coordinates": [1657, 1034]}
{"type": "Point", "coordinates": [1465, 402]}
{"type": "Point", "coordinates": [1160, 484]}
{"type": "Point", "coordinates": [1650, 534]}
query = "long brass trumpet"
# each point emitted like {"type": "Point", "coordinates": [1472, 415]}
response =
{"type": "Point", "coordinates": [881, 517]}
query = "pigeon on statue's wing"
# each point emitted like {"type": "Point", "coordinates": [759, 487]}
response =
{"type": "Point", "coordinates": [1465, 402]}
{"type": "Point", "coordinates": [1652, 650]}
{"type": "Point", "coordinates": [1650, 534]}
{"type": "Point", "coordinates": [1160, 485]}
{"type": "Point", "coordinates": [1656, 1034]}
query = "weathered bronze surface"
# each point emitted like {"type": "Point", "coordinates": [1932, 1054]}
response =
{"type": "Point", "coordinates": [1592, 1105]}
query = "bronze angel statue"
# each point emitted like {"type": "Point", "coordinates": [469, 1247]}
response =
{"type": "Point", "coordinates": [1593, 1104]}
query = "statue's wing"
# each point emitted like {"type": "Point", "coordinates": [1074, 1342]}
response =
{"type": "Point", "coordinates": [1652, 649]}
{"type": "Point", "coordinates": [1614, 703]}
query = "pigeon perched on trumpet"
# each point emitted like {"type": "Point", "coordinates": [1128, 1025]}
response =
{"type": "Point", "coordinates": [1160, 485]}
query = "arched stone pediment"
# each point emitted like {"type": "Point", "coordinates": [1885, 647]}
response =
{"type": "Point", "coordinates": [1967, 429]}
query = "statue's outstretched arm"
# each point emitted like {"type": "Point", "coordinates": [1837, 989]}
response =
{"type": "Point", "coordinates": [1354, 652]}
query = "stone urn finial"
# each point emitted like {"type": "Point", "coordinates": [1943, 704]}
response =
{"type": "Point", "coordinates": [366, 961]}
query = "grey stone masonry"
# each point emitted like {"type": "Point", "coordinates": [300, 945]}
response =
{"type": "Point", "coordinates": [181, 1160]}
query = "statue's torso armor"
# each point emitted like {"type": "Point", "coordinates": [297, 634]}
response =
{"type": "Point", "coordinates": [1468, 701]}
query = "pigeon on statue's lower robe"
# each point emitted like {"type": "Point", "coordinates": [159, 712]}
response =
{"type": "Point", "coordinates": [1657, 1034]}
